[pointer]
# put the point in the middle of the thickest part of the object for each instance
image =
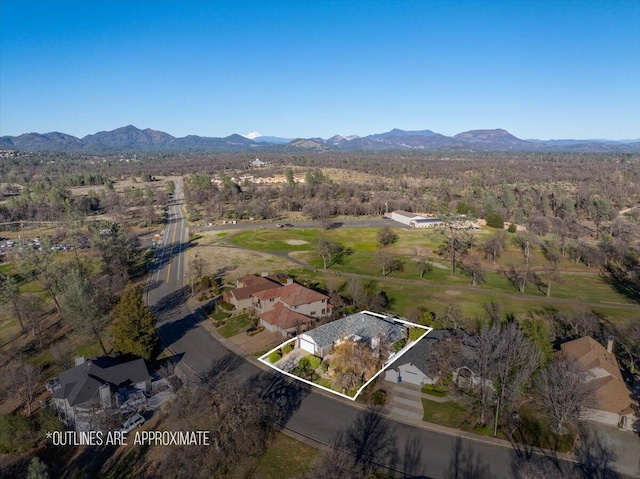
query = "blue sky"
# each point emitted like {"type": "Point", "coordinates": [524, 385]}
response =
{"type": "Point", "coordinates": [540, 69]}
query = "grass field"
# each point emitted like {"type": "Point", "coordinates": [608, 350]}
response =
{"type": "Point", "coordinates": [285, 458]}
{"type": "Point", "coordinates": [235, 325]}
{"type": "Point", "coordinates": [449, 414]}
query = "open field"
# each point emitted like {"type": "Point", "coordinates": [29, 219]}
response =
{"type": "Point", "coordinates": [407, 292]}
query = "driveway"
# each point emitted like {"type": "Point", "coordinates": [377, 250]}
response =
{"type": "Point", "coordinates": [406, 400]}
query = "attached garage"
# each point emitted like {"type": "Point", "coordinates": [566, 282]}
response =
{"type": "Point", "coordinates": [307, 344]}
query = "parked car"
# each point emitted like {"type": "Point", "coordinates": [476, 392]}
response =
{"type": "Point", "coordinates": [132, 423]}
{"type": "Point", "coordinates": [288, 225]}
{"type": "Point", "coordinates": [255, 330]}
{"type": "Point", "coordinates": [279, 225]}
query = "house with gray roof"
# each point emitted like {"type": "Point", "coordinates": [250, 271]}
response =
{"type": "Point", "coordinates": [363, 326]}
{"type": "Point", "coordinates": [414, 366]}
{"type": "Point", "coordinates": [99, 384]}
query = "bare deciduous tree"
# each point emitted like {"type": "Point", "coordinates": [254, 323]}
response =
{"type": "Point", "coordinates": [563, 393]}
{"type": "Point", "coordinates": [25, 381]}
{"type": "Point", "coordinates": [388, 263]}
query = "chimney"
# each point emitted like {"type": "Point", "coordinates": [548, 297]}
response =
{"type": "Point", "coordinates": [79, 360]}
{"type": "Point", "coordinates": [105, 396]}
{"type": "Point", "coordinates": [610, 344]}
{"type": "Point", "coordinates": [265, 274]}
{"type": "Point", "coordinates": [289, 281]}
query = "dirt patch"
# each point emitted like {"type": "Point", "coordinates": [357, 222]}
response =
{"type": "Point", "coordinates": [239, 262]}
{"type": "Point", "coordinates": [295, 242]}
{"type": "Point", "coordinates": [257, 343]}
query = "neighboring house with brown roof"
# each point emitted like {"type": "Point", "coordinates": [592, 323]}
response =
{"type": "Point", "coordinates": [294, 297]}
{"type": "Point", "coordinates": [284, 321]}
{"type": "Point", "coordinates": [612, 402]}
{"type": "Point", "coordinates": [242, 296]}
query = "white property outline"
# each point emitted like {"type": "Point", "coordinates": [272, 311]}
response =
{"type": "Point", "coordinates": [264, 358]}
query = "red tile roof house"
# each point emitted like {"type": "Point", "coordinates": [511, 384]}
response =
{"type": "Point", "coordinates": [284, 321]}
{"type": "Point", "coordinates": [612, 403]}
{"type": "Point", "coordinates": [290, 308]}
{"type": "Point", "coordinates": [241, 297]}
{"type": "Point", "coordinates": [295, 297]}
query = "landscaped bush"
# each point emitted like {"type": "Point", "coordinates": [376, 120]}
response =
{"type": "Point", "coordinates": [379, 397]}
{"type": "Point", "coordinates": [226, 306]}
{"type": "Point", "coordinates": [275, 356]}
{"type": "Point", "coordinates": [435, 390]}
{"type": "Point", "coordinates": [399, 344]}
{"type": "Point", "coordinates": [310, 362]}
{"type": "Point", "coordinates": [287, 349]}
{"type": "Point", "coordinates": [416, 333]}
{"type": "Point", "coordinates": [206, 281]}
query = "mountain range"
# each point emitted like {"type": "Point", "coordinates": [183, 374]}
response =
{"type": "Point", "coordinates": [131, 139]}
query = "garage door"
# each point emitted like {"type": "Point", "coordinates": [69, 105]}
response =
{"type": "Point", "coordinates": [307, 344]}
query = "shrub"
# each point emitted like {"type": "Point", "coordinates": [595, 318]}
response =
{"type": "Point", "coordinates": [310, 361]}
{"type": "Point", "coordinates": [494, 220]}
{"type": "Point", "coordinates": [399, 344]}
{"type": "Point", "coordinates": [287, 349]}
{"type": "Point", "coordinates": [226, 306]}
{"type": "Point", "coordinates": [206, 281]}
{"type": "Point", "coordinates": [512, 228]}
{"type": "Point", "coordinates": [275, 356]}
{"type": "Point", "coordinates": [379, 397]}
{"type": "Point", "coordinates": [416, 333]}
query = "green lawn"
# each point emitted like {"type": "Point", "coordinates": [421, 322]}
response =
{"type": "Point", "coordinates": [235, 325]}
{"type": "Point", "coordinates": [275, 239]}
{"type": "Point", "coordinates": [449, 414]}
{"type": "Point", "coordinates": [285, 458]}
{"type": "Point", "coordinates": [219, 315]}
{"type": "Point", "coordinates": [534, 431]}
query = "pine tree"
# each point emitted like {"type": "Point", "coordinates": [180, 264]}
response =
{"type": "Point", "coordinates": [133, 326]}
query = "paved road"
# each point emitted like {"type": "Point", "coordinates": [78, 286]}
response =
{"type": "Point", "coordinates": [312, 414]}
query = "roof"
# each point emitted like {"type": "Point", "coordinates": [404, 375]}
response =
{"type": "Point", "coordinates": [611, 393]}
{"type": "Point", "coordinates": [253, 279]}
{"type": "Point", "coordinates": [244, 293]}
{"type": "Point", "coordinates": [405, 214]}
{"type": "Point", "coordinates": [419, 354]}
{"type": "Point", "coordinates": [591, 355]}
{"type": "Point", "coordinates": [292, 295]}
{"type": "Point", "coordinates": [363, 324]}
{"type": "Point", "coordinates": [284, 318]}
{"type": "Point", "coordinates": [81, 384]}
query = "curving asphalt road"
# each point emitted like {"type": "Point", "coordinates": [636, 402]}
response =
{"type": "Point", "coordinates": [311, 414]}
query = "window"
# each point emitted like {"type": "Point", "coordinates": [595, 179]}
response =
{"type": "Point", "coordinates": [313, 313]}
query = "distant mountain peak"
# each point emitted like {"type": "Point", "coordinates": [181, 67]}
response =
{"type": "Point", "coordinates": [253, 135]}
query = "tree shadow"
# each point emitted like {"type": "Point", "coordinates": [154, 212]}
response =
{"type": "Point", "coordinates": [371, 441]}
{"type": "Point", "coordinates": [625, 280]}
{"type": "Point", "coordinates": [595, 457]}
{"type": "Point", "coordinates": [412, 457]}
{"type": "Point", "coordinates": [170, 332]}
{"type": "Point", "coordinates": [170, 301]}
{"type": "Point", "coordinates": [466, 464]}
{"type": "Point", "coordinates": [283, 394]}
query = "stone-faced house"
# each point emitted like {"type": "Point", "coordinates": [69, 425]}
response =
{"type": "Point", "coordinates": [98, 385]}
